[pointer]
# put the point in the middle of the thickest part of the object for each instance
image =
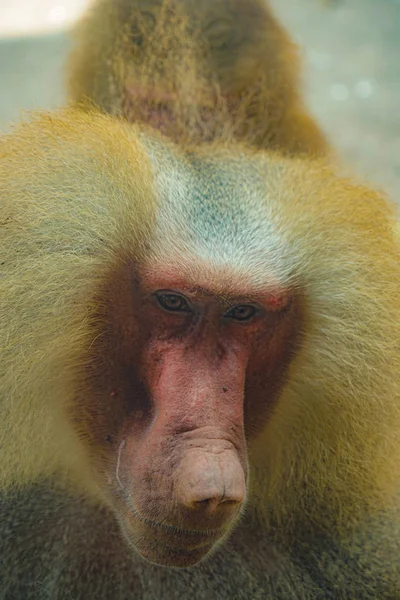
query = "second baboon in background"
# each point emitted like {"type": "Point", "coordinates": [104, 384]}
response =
{"type": "Point", "coordinates": [226, 66]}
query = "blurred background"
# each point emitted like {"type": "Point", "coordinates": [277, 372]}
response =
{"type": "Point", "coordinates": [351, 78]}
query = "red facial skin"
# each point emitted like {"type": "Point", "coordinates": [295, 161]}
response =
{"type": "Point", "coordinates": [188, 390]}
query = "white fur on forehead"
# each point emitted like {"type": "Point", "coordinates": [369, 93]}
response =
{"type": "Point", "coordinates": [210, 214]}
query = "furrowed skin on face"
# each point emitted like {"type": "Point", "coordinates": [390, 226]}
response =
{"type": "Point", "coordinates": [201, 348]}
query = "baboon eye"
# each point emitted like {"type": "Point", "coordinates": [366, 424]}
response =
{"type": "Point", "coordinates": [241, 312]}
{"type": "Point", "coordinates": [172, 302]}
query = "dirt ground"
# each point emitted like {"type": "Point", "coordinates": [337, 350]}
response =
{"type": "Point", "coordinates": [351, 52]}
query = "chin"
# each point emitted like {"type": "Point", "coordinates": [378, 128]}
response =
{"type": "Point", "coordinates": [178, 558]}
{"type": "Point", "coordinates": [168, 546]}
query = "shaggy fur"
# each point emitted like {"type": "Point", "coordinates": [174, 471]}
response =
{"type": "Point", "coordinates": [78, 191]}
{"type": "Point", "coordinates": [198, 71]}
{"type": "Point", "coordinates": [83, 196]}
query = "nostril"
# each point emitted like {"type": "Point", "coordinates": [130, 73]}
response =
{"type": "Point", "coordinates": [230, 501]}
{"type": "Point", "coordinates": [212, 504]}
{"type": "Point", "coordinates": [208, 505]}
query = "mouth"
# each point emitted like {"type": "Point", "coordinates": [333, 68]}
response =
{"type": "Point", "coordinates": [174, 530]}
